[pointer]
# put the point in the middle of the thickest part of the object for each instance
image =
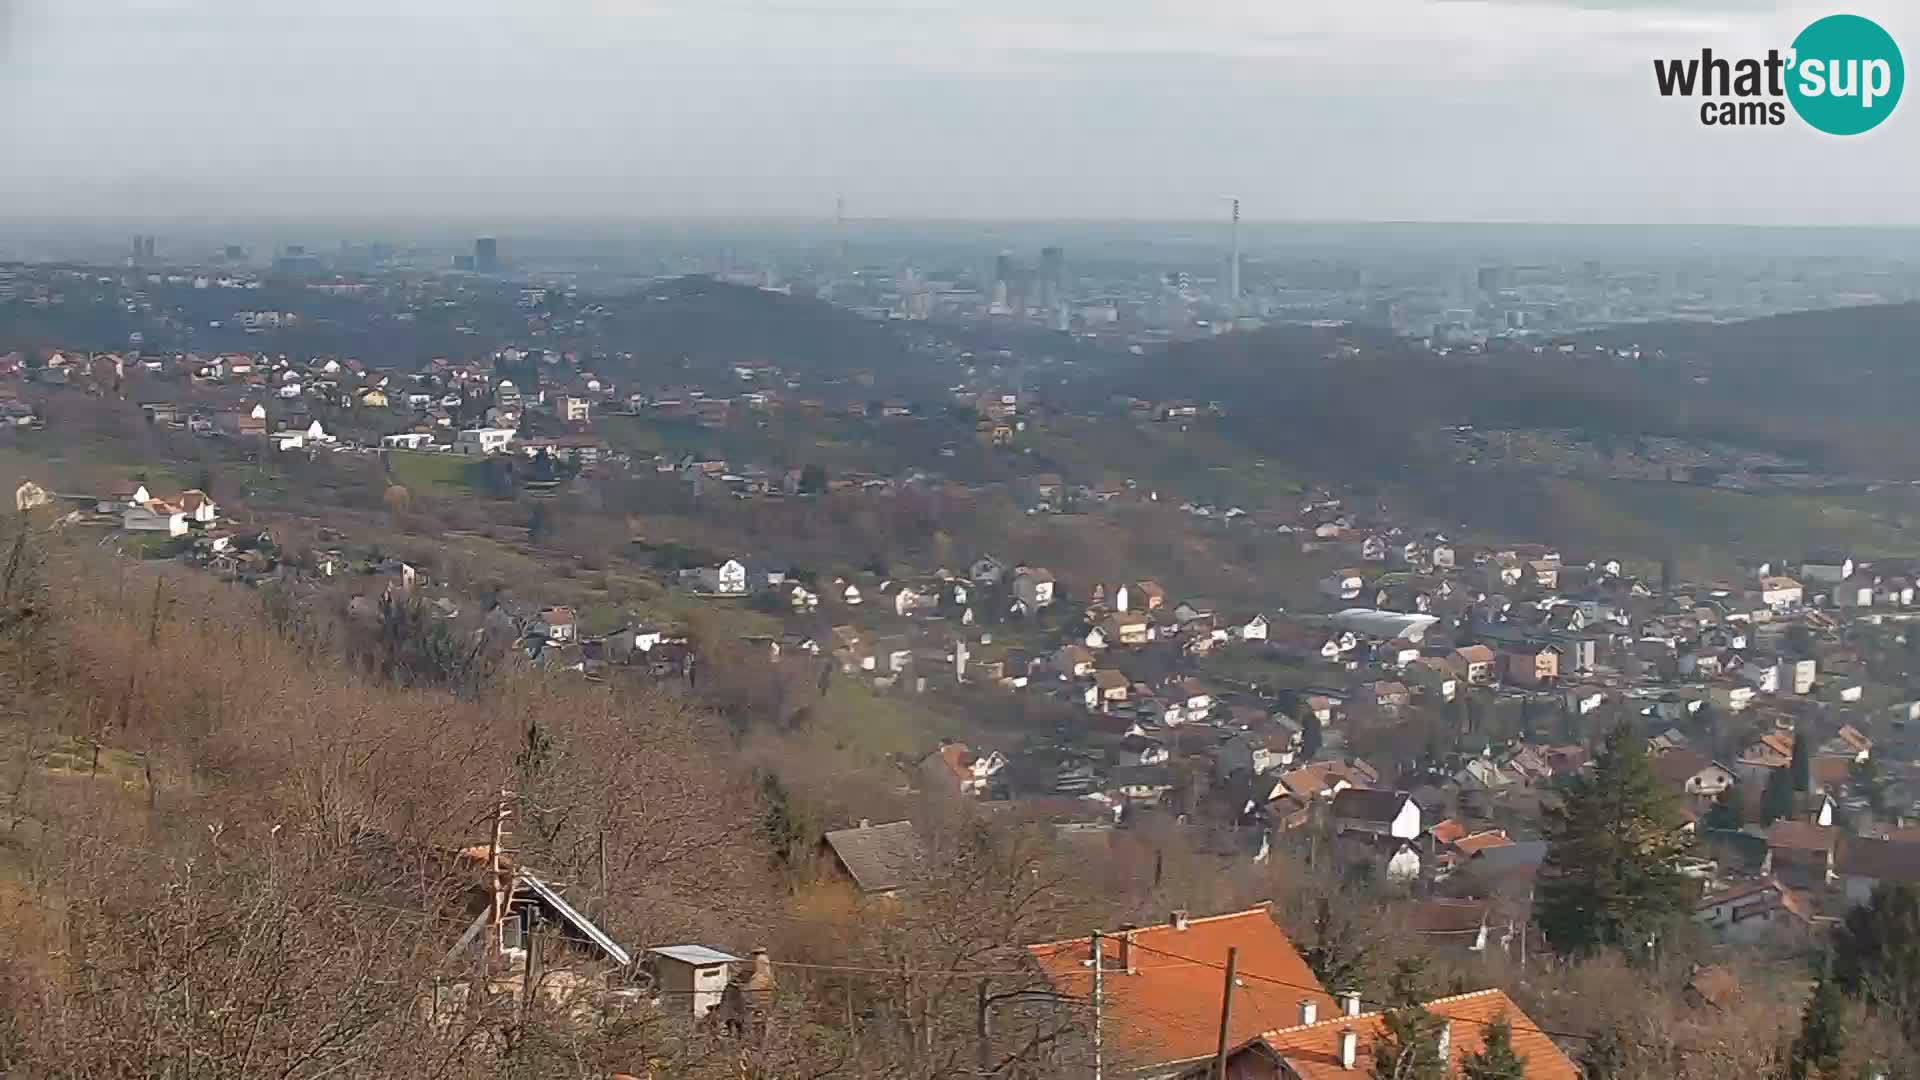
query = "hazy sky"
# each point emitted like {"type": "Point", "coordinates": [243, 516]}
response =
{"type": "Point", "coordinates": [1516, 110]}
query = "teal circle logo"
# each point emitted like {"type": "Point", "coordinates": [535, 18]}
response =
{"type": "Point", "coordinates": [1846, 75]}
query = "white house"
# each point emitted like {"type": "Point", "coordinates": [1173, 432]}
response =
{"type": "Point", "coordinates": [483, 441]}
{"type": "Point", "coordinates": [1380, 813]}
{"type": "Point", "coordinates": [1254, 629]}
{"type": "Point", "coordinates": [727, 579]}
{"type": "Point", "coordinates": [1748, 912]}
{"type": "Point", "coordinates": [1034, 587]}
{"type": "Point", "coordinates": [408, 440]}
{"type": "Point", "coordinates": [123, 497]}
{"type": "Point", "coordinates": [1781, 593]}
{"type": "Point", "coordinates": [1343, 584]}
{"type": "Point", "coordinates": [199, 506]}
{"type": "Point", "coordinates": [1826, 568]}
{"type": "Point", "coordinates": [155, 516]}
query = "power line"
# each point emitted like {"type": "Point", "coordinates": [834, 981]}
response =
{"type": "Point", "coordinates": [1578, 1036]}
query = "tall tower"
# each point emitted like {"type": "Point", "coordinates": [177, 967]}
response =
{"type": "Point", "coordinates": [840, 227]}
{"type": "Point", "coordinates": [486, 254]}
{"type": "Point", "coordinates": [1233, 272]}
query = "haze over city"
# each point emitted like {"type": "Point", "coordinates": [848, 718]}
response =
{"type": "Point", "coordinates": [1422, 110]}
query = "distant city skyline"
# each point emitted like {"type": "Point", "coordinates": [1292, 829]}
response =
{"type": "Point", "coordinates": [1312, 111]}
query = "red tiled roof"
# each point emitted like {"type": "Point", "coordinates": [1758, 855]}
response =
{"type": "Point", "coordinates": [1169, 1010]}
{"type": "Point", "coordinates": [1492, 838]}
{"type": "Point", "coordinates": [1313, 1051]}
{"type": "Point", "coordinates": [1800, 836]}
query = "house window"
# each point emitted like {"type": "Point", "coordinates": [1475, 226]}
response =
{"type": "Point", "coordinates": [512, 933]}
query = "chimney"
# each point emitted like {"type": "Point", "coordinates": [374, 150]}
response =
{"type": "Point", "coordinates": [1180, 918]}
{"type": "Point", "coordinates": [1349, 1048]}
{"type": "Point", "coordinates": [762, 977]}
{"type": "Point", "coordinates": [1126, 951]}
{"type": "Point", "coordinates": [1309, 1011]}
{"type": "Point", "coordinates": [1446, 1043]}
{"type": "Point", "coordinates": [1350, 1002]}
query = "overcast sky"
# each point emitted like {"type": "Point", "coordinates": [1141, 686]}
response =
{"type": "Point", "coordinates": [1438, 110]}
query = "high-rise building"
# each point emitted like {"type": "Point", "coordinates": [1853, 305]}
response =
{"type": "Point", "coordinates": [486, 254]}
{"type": "Point", "coordinates": [1053, 276]}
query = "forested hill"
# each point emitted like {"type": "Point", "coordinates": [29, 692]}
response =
{"type": "Point", "coordinates": [1833, 387]}
{"type": "Point", "coordinates": [1841, 362]}
{"type": "Point", "coordinates": [710, 323]}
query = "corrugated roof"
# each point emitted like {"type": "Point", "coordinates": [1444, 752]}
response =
{"type": "Point", "coordinates": [695, 955]}
{"type": "Point", "coordinates": [580, 922]}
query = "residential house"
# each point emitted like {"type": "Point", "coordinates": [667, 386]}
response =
{"type": "Point", "coordinates": [1034, 587]}
{"type": "Point", "coordinates": [1151, 595]}
{"type": "Point", "coordinates": [1109, 688]}
{"type": "Point", "coordinates": [1340, 1046]}
{"type": "Point", "coordinates": [1781, 593]}
{"type": "Point", "coordinates": [199, 506]}
{"type": "Point", "coordinates": [556, 624]}
{"type": "Point", "coordinates": [1376, 813]}
{"type": "Point", "coordinates": [727, 579]}
{"type": "Point", "coordinates": [1343, 584]}
{"type": "Point", "coordinates": [123, 497]}
{"type": "Point", "coordinates": [958, 768]}
{"type": "Point", "coordinates": [1850, 743]}
{"type": "Point", "coordinates": [481, 442]}
{"type": "Point", "coordinates": [1826, 567]}
{"type": "Point", "coordinates": [155, 516]}
{"type": "Point", "coordinates": [1385, 695]}
{"type": "Point", "coordinates": [1254, 629]}
{"type": "Point", "coordinates": [1802, 853]}
{"type": "Point", "coordinates": [1687, 772]}
{"type": "Point", "coordinates": [1865, 862]}
{"type": "Point", "coordinates": [1731, 696]}
{"type": "Point", "coordinates": [879, 860]}
{"type": "Point", "coordinates": [1126, 630]}
{"type": "Point", "coordinates": [1753, 911]}
{"type": "Point", "coordinates": [1534, 666]}
{"type": "Point", "coordinates": [1074, 661]}
{"type": "Point", "coordinates": [1476, 662]}
{"type": "Point", "coordinates": [1163, 1014]}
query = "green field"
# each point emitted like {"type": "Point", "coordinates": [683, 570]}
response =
{"type": "Point", "coordinates": [433, 474]}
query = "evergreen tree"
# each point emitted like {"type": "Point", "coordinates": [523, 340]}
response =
{"type": "Point", "coordinates": [1605, 1056]}
{"type": "Point", "coordinates": [1613, 843]}
{"type": "Point", "coordinates": [1408, 1047]}
{"type": "Point", "coordinates": [1311, 736]}
{"type": "Point", "coordinates": [1776, 801]}
{"type": "Point", "coordinates": [1497, 1059]}
{"type": "Point", "coordinates": [1409, 985]}
{"type": "Point", "coordinates": [1822, 1039]}
{"type": "Point", "coordinates": [1876, 953]}
{"type": "Point", "coordinates": [1802, 763]}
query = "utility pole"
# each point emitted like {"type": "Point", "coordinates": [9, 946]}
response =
{"type": "Point", "coordinates": [1226, 1015]}
{"type": "Point", "coordinates": [1099, 986]}
{"type": "Point", "coordinates": [982, 1057]}
{"type": "Point", "coordinates": [498, 886]}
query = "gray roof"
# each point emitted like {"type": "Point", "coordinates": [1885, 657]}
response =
{"type": "Point", "coordinates": [879, 857]}
{"type": "Point", "coordinates": [695, 955]}
{"type": "Point", "coordinates": [580, 922]}
{"type": "Point", "coordinates": [1365, 804]}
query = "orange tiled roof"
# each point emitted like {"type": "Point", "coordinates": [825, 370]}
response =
{"type": "Point", "coordinates": [1313, 1051]}
{"type": "Point", "coordinates": [1169, 1010]}
{"type": "Point", "coordinates": [1448, 831]}
{"type": "Point", "coordinates": [1481, 841]}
